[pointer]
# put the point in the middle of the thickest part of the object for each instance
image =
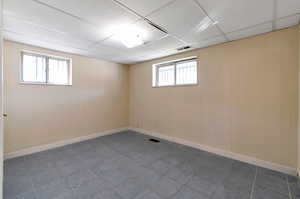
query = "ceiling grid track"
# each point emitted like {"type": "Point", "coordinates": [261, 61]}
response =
{"type": "Point", "coordinates": [269, 17]}
{"type": "Point", "coordinates": [74, 16]}
{"type": "Point", "coordinates": [141, 16]}
{"type": "Point", "coordinates": [158, 27]}
{"type": "Point", "coordinates": [206, 13]}
{"type": "Point", "coordinates": [160, 8]}
{"type": "Point", "coordinates": [90, 23]}
{"type": "Point", "coordinates": [64, 12]}
{"type": "Point", "coordinates": [266, 22]}
{"type": "Point", "coordinates": [274, 15]}
{"type": "Point", "coordinates": [249, 27]}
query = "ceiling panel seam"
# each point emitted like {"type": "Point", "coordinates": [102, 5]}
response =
{"type": "Point", "coordinates": [119, 4]}
{"type": "Point", "coordinates": [66, 13]}
{"type": "Point", "coordinates": [206, 13]}
{"type": "Point", "coordinates": [148, 20]}
{"type": "Point", "coordinates": [76, 17]}
{"type": "Point", "coordinates": [142, 17]}
{"type": "Point", "coordinates": [249, 27]}
{"type": "Point", "coordinates": [160, 8]}
{"type": "Point", "coordinates": [274, 15]}
{"type": "Point", "coordinates": [49, 29]}
{"type": "Point", "coordinates": [266, 22]}
{"type": "Point", "coordinates": [21, 34]}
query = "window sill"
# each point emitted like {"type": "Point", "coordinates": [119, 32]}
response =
{"type": "Point", "coordinates": [43, 84]}
{"type": "Point", "coordinates": [179, 85]}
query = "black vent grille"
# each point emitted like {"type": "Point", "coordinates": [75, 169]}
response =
{"type": "Point", "coordinates": [184, 48]}
{"type": "Point", "coordinates": [154, 140]}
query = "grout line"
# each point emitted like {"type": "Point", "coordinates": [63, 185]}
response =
{"type": "Point", "coordinates": [33, 188]}
{"type": "Point", "coordinates": [253, 184]}
{"type": "Point", "coordinates": [289, 188]}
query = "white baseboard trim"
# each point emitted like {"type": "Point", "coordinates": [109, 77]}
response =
{"type": "Point", "coordinates": [228, 154]}
{"type": "Point", "coordinates": [36, 149]}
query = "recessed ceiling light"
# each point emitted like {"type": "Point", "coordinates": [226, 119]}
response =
{"type": "Point", "coordinates": [130, 36]}
{"type": "Point", "coordinates": [205, 24]}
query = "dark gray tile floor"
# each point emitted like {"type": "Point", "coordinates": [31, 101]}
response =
{"type": "Point", "coordinates": [128, 166]}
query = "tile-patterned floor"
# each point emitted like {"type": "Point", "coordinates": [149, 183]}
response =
{"type": "Point", "coordinates": [128, 166]}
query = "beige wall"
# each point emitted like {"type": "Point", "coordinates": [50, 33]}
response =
{"type": "Point", "coordinates": [246, 100]}
{"type": "Point", "coordinates": [37, 115]}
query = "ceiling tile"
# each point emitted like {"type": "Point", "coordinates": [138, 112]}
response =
{"type": "Point", "coordinates": [189, 19]}
{"type": "Point", "coordinates": [287, 21]}
{"type": "Point", "coordinates": [149, 34]}
{"type": "Point", "coordinates": [167, 43]}
{"type": "Point", "coordinates": [163, 47]}
{"type": "Point", "coordinates": [32, 40]}
{"type": "Point", "coordinates": [145, 7]}
{"type": "Point", "coordinates": [287, 7]}
{"type": "Point", "coordinates": [233, 15]}
{"type": "Point", "coordinates": [199, 36]}
{"type": "Point", "coordinates": [26, 28]}
{"type": "Point", "coordinates": [104, 14]}
{"type": "Point", "coordinates": [100, 49]}
{"type": "Point", "coordinates": [210, 42]}
{"type": "Point", "coordinates": [39, 14]}
{"type": "Point", "coordinates": [259, 29]}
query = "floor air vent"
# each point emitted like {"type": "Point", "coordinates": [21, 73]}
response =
{"type": "Point", "coordinates": [154, 140]}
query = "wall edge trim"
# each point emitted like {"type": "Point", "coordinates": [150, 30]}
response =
{"type": "Point", "coordinates": [36, 149]}
{"type": "Point", "coordinates": [221, 152]}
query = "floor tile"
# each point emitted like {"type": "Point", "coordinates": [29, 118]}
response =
{"type": "Point", "coordinates": [106, 194]}
{"type": "Point", "coordinates": [272, 182]}
{"type": "Point", "coordinates": [262, 193]}
{"type": "Point", "coordinates": [131, 188]}
{"type": "Point", "coordinates": [295, 191]}
{"type": "Point", "coordinates": [90, 189]}
{"type": "Point", "coordinates": [202, 186]}
{"type": "Point", "coordinates": [17, 186]}
{"type": "Point", "coordinates": [159, 166]}
{"type": "Point", "coordinates": [56, 189]}
{"type": "Point", "coordinates": [165, 187]}
{"type": "Point", "coordinates": [226, 193]}
{"type": "Point", "coordinates": [46, 177]}
{"type": "Point", "coordinates": [26, 195]}
{"type": "Point", "coordinates": [78, 178]}
{"type": "Point", "coordinates": [148, 194]}
{"type": "Point", "coordinates": [148, 176]}
{"type": "Point", "coordinates": [187, 193]}
{"type": "Point", "coordinates": [128, 166]}
{"type": "Point", "coordinates": [179, 176]}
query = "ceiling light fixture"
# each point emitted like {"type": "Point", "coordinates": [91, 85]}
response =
{"type": "Point", "coordinates": [205, 24]}
{"type": "Point", "coordinates": [130, 36]}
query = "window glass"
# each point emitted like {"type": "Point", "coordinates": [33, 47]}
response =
{"type": "Point", "coordinates": [34, 69]}
{"type": "Point", "coordinates": [186, 73]}
{"type": "Point", "coordinates": [45, 69]}
{"type": "Point", "coordinates": [58, 71]}
{"type": "Point", "coordinates": [166, 75]}
{"type": "Point", "coordinates": [182, 72]}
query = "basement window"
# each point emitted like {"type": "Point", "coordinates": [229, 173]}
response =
{"type": "Point", "coordinates": [45, 69]}
{"type": "Point", "coordinates": [175, 73]}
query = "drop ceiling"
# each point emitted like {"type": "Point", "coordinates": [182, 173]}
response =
{"type": "Point", "coordinates": [88, 27]}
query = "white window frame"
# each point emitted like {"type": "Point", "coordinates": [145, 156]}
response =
{"type": "Point", "coordinates": [155, 68]}
{"type": "Point", "coordinates": [47, 57]}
